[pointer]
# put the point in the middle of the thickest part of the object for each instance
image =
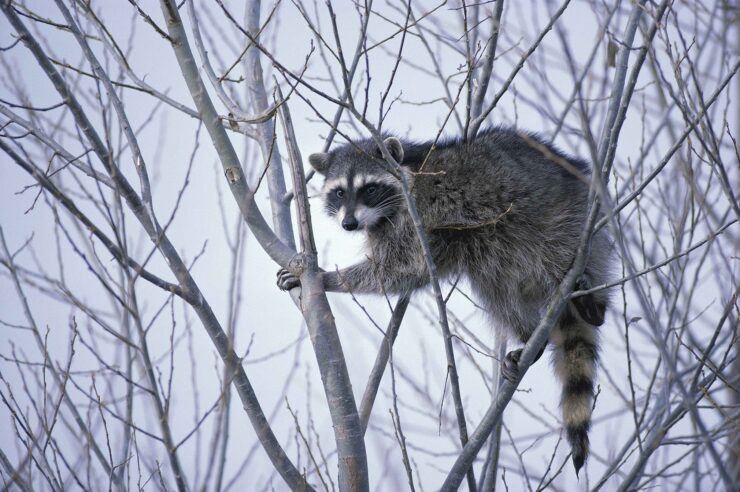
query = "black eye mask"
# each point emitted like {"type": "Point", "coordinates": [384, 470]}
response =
{"type": "Point", "coordinates": [375, 194]}
{"type": "Point", "coordinates": [333, 201]}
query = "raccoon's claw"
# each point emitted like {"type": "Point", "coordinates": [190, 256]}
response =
{"type": "Point", "coordinates": [286, 280]}
{"type": "Point", "coordinates": [510, 366]}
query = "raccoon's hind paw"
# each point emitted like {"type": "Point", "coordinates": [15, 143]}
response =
{"type": "Point", "coordinates": [510, 366]}
{"type": "Point", "coordinates": [286, 280]}
{"type": "Point", "coordinates": [592, 311]}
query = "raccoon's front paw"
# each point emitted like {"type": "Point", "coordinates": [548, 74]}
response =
{"type": "Point", "coordinates": [510, 366]}
{"type": "Point", "coordinates": [286, 280]}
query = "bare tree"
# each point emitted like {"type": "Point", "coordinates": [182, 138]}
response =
{"type": "Point", "coordinates": [139, 299]}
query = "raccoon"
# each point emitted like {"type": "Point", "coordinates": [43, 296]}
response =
{"type": "Point", "coordinates": [506, 210]}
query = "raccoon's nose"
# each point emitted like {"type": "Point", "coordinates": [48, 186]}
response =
{"type": "Point", "coordinates": [349, 223]}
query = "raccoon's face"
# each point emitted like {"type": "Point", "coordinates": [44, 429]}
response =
{"type": "Point", "coordinates": [357, 190]}
{"type": "Point", "coordinates": [361, 201]}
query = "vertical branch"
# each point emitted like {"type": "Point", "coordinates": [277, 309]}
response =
{"type": "Point", "coordinates": [348, 431]}
{"type": "Point", "coordinates": [470, 63]}
{"type": "Point", "coordinates": [487, 70]}
{"type": "Point", "coordinates": [266, 131]}
{"type": "Point", "coordinates": [490, 467]}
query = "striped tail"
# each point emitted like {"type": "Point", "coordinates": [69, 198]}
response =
{"type": "Point", "coordinates": [575, 357]}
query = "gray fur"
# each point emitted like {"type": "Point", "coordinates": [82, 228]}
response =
{"type": "Point", "coordinates": [506, 210]}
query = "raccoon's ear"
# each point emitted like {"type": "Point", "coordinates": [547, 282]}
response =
{"type": "Point", "coordinates": [395, 148]}
{"type": "Point", "coordinates": [319, 161]}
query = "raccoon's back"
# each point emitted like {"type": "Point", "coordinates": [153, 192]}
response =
{"type": "Point", "coordinates": [500, 203]}
{"type": "Point", "coordinates": [498, 180]}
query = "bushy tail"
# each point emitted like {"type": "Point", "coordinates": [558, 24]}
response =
{"type": "Point", "coordinates": [575, 357]}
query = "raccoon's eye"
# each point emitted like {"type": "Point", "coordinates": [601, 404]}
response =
{"type": "Point", "coordinates": [339, 193]}
{"type": "Point", "coordinates": [370, 190]}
